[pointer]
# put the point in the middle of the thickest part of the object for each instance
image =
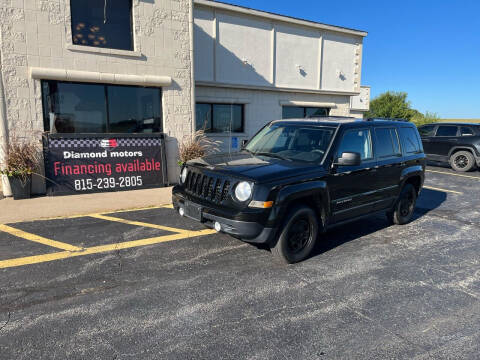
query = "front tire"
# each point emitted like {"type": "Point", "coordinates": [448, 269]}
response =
{"type": "Point", "coordinates": [298, 236]}
{"type": "Point", "coordinates": [405, 206]}
{"type": "Point", "coordinates": [462, 161]}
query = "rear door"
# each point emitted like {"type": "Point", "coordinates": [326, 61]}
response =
{"type": "Point", "coordinates": [352, 188]}
{"type": "Point", "coordinates": [445, 138]}
{"type": "Point", "coordinates": [389, 166]}
{"type": "Point", "coordinates": [427, 133]}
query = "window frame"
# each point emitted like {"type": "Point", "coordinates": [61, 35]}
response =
{"type": "Point", "coordinates": [212, 104]}
{"type": "Point", "coordinates": [305, 110]}
{"type": "Point", "coordinates": [132, 31]}
{"type": "Point", "coordinates": [46, 120]}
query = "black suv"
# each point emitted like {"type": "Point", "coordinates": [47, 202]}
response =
{"type": "Point", "coordinates": [456, 144]}
{"type": "Point", "coordinates": [297, 178]}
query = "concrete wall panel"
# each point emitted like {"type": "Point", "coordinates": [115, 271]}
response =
{"type": "Point", "coordinates": [338, 68]}
{"type": "Point", "coordinates": [297, 57]}
{"type": "Point", "coordinates": [243, 50]}
{"type": "Point", "coordinates": [204, 34]}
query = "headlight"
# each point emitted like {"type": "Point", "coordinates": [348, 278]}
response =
{"type": "Point", "coordinates": [183, 176]}
{"type": "Point", "coordinates": [243, 191]}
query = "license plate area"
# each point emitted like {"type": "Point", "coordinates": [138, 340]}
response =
{"type": "Point", "coordinates": [193, 211]}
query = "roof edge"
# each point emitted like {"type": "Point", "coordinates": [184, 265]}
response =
{"type": "Point", "coordinates": [279, 17]}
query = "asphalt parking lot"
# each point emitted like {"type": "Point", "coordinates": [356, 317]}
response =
{"type": "Point", "coordinates": [147, 284]}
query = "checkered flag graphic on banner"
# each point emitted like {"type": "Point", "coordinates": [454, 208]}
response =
{"type": "Point", "coordinates": [74, 143]}
{"type": "Point", "coordinates": [127, 142]}
{"type": "Point", "coordinates": [95, 143]}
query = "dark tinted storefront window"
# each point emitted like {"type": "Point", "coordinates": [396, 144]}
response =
{"type": "Point", "coordinates": [102, 23]}
{"type": "Point", "coordinates": [297, 112]}
{"type": "Point", "coordinates": [219, 118]}
{"type": "Point", "coordinates": [133, 109]}
{"type": "Point", "coordinates": [99, 108]}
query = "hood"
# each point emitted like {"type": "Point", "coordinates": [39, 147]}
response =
{"type": "Point", "coordinates": [259, 168]}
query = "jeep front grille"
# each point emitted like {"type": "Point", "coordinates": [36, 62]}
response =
{"type": "Point", "coordinates": [210, 188]}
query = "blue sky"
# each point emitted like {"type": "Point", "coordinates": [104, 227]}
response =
{"type": "Point", "coordinates": [429, 49]}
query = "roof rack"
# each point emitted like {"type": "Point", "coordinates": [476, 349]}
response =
{"type": "Point", "coordinates": [329, 117]}
{"type": "Point", "coordinates": [386, 119]}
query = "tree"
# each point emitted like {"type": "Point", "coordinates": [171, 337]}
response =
{"type": "Point", "coordinates": [395, 105]}
{"type": "Point", "coordinates": [391, 105]}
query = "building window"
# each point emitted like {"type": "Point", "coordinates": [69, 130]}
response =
{"type": "Point", "coordinates": [220, 118]}
{"type": "Point", "coordinates": [102, 23]}
{"type": "Point", "coordinates": [297, 112]}
{"type": "Point", "coordinates": [100, 108]}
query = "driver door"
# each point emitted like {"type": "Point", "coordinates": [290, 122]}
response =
{"type": "Point", "coordinates": [352, 188]}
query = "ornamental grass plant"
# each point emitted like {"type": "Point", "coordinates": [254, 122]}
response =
{"type": "Point", "coordinates": [196, 146]}
{"type": "Point", "coordinates": [22, 157]}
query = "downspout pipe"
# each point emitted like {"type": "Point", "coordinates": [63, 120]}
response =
{"type": "Point", "coordinates": [192, 65]}
{"type": "Point", "coordinates": [3, 127]}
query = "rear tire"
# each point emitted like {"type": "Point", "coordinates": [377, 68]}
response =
{"type": "Point", "coordinates": [405, 206]}
{"type": "Point", "coordinates": [462, 161]}
{"type": "Point", "coordinates": [298, 236]}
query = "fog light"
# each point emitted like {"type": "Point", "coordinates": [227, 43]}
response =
{"type": "Point", "coordinates": [181, 211]}
{"type": "Point", "coordinates": [218, 226]}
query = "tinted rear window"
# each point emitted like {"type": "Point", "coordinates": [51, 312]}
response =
{"type": "Point", "coordinates": [410, 140]}
{"type": "Point", "coordinates": [427, 130]}
{"type": "Point", "coordinates": [446, 131]}
{"type": "Point", "coordinates": [466, 131]}
{"type": "Point", "coordinates": [387, 143]}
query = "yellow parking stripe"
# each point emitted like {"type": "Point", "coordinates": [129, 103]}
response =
{"type": "Point", "coordinates": [138, 223]}
{"type": "Point", "coordinates": [99, 249]}
{"type": "Point", "coordinates": [38, 239]}
{"type": "Point", "coordinates": [452, 174]}
{"type": "Point", "coordinates": [167, 206]}
{"type": "Point", "coordinates": [444, 190]}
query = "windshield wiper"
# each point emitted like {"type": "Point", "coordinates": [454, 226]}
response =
{"type": "Point", "coordinates": [272, 155]}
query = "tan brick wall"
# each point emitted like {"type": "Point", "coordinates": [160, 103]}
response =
{"type": "Point", "coordinates": [36, 33]}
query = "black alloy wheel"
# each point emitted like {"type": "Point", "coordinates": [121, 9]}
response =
{"type": "Point", "coordinates": [405, 206]}
{"type": "Point", "coordinates": [462, 161]}
{"type": "Point", "coordinates": [298, 236]}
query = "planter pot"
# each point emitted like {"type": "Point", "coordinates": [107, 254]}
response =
{"type": "Point", "coordinates": [21, 188]}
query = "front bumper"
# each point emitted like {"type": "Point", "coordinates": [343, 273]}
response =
{"type": "Point", "coordinates": [248, 231]}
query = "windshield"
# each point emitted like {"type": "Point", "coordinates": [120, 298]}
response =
{"type": "Point", "coordinates": [292, 142]}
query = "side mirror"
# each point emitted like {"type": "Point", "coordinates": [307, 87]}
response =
{"type": "Point", "coordinates": [349, 159]}
{"type": "Point", "coordinates": [244, 143]}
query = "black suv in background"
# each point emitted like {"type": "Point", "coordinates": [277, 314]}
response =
{"type": "Point", "coordinates": [298, 178]}
{"type": "Point", "coordinates": [456, 144]}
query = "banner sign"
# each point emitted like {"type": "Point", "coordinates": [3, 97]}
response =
{"type": "Point", "coordinates": [90, 163]}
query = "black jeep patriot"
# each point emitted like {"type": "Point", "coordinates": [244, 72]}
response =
{"type": "Point", "coordinates": [298, 178]}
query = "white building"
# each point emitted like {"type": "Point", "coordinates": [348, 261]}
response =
{"type": "Point", "coordinates": [92, 66]}
{"type": "Point", "coordinates": [270, 67]}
